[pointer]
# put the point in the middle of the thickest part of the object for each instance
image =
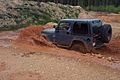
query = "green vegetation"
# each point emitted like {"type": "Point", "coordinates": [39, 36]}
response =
{"type": "Point", "coordinates": [110, 8]}
{"type": "Point", "coordinates": [48, 12]}
{"type": "Point", "coordinates": [96, 5]}
{"type": "Point", "coordinates": [32, 12]}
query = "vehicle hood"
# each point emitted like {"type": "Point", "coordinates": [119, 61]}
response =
{"type": "Point", "coordinates": [49, 31]}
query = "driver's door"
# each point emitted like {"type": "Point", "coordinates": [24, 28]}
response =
{"type": "Point", "coordinates": [63, 34]}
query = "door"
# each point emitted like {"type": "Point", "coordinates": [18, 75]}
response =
{"type": "Point", "coordinates": [82, 29]}
{"type": "Point", "coordinates": [63, 34]}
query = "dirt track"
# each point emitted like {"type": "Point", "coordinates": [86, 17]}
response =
{"type": "Point", "coordinates": [35, 62]}
{"type": "Point", "coordinates": [23, 59]}
{"type": "Point", "coordinates": [17, 64]}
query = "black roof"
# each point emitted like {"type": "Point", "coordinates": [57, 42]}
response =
{"type": "Point", "coordinates": [79, 19]}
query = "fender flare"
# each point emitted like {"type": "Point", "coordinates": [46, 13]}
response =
{"type": "Point", "coordinates": [79, 41]}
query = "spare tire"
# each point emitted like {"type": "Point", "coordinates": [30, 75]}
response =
{"type": "Point", "coordinates": [106, 33]}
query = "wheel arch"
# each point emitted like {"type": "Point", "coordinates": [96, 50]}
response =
{"type": "Point", "coordinates": [81, 42]}
{"type": "Point", "coordinates": [77, 41]}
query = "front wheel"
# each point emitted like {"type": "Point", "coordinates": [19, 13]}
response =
{"type": "Point", "coordinates": [79, 47]}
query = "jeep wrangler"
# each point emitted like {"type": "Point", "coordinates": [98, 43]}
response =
{"type": "Point", "coordinates": [82, 35]}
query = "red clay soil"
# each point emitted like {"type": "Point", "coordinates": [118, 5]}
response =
{"type": "Point", "coordinates": [32, 36]}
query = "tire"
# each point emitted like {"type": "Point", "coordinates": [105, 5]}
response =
{"type": "Point", "coordinates": [80, 47]}
{"type": "Point", "coordinates": [106, 33]}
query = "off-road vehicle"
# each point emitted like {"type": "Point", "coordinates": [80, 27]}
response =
{"type": "Point", "coordinates": [82, 35]}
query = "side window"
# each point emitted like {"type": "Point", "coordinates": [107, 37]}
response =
{"type": "Point", "coordinates": [64, 26]}
{"type": "Point", "coordinates": [80, 28]}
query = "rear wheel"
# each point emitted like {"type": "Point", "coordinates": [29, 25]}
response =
{"type": "Point", "coordinates": [80, 47]}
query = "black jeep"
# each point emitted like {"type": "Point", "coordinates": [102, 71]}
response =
{"type": "Point", "coordinates": [82, 35]}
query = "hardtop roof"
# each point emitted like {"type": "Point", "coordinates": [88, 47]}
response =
{"type": "Point", "coordinates": [79, 19]}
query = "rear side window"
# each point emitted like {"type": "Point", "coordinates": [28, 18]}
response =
{"type": "Point", "coordinates": [80, 28]}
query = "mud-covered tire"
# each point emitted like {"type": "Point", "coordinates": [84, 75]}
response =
{"type": "Point", "coordinates": [80, 47]}
{"type": "Point", "coordinates": [106, 33]}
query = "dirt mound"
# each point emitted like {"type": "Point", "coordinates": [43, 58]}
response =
{"type": "Point", "coordinates": [32, 36]}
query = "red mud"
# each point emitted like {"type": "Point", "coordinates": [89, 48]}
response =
{"type": "Point", "coordinates": [32, 36]}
